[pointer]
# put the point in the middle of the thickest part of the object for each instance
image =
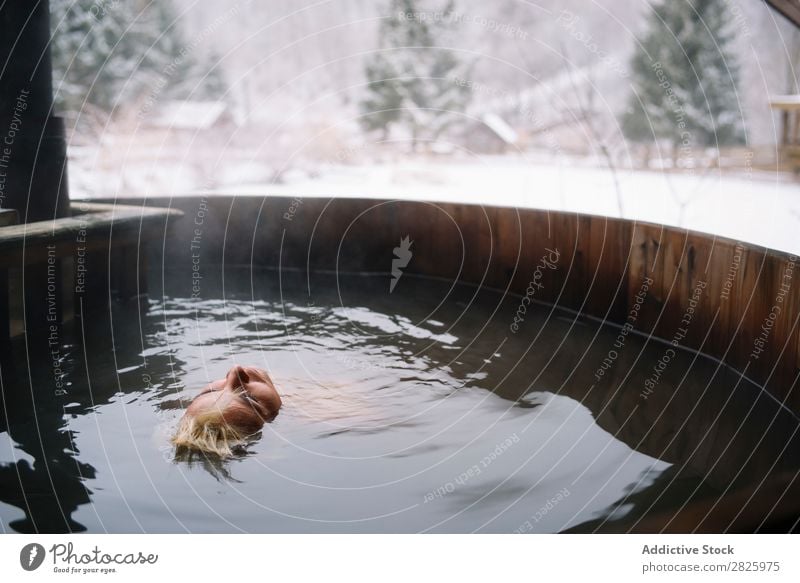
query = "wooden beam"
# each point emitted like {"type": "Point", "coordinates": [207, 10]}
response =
{"type": "Point", "coordinates": [96, 219]}
{"type": "Point", "coordinates": [36, 179]}
{"type": "Point", "coordinates": [788, 8]}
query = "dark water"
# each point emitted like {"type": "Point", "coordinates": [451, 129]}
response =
{"type": "Point", "coordinates": [417, 410]}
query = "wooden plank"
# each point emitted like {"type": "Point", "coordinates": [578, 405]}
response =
{"type": "Point", "coordinates": [607, 251]}
{"type": "Point", "coordinates": [568, 280]}
{"type": "Point", "coordinates": [790, 9]}
{"type": "Point", "coordinates": [674, 285]}
{"type": "Point", "coordinates": [473, 224]}
{"type": "Point", "coordinates": [645, 265]}
{"type": "Point", "coordinates": [487, 253]}
{"type": "Point", "coordinates": [796, 129]}
{"type": "Point", "coordinates": [752, 306]}
{"type": "Point", "coordinates": [68, 248]}
{"type": "Point", "coordinates": [446, 243]}
{"type": "Point", "coordinates": [509, 245]}
{"type": "Point", "coordinates": [708, 263]}
{"type": "Point", "coordinates": [5, 305]}
{"type": "Point", "coordinates": [15, 302]}
{"type": "Point", "coordinates": [8, 217]}
{"type": "Point", "coordinates": [98, 219]}
{"type": "Point", "coordinates": [784, 363]}
{"type": "Point", "coordinates": [785, 128]}
{"type": "Point", "coordinates": [538, 239]}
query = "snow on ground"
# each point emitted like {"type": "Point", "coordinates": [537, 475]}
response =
{"type": "Point", "coordinates": [759, 207]}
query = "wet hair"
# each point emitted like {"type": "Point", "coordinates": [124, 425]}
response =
{"type": "Point", "coordinates": [209, 432]}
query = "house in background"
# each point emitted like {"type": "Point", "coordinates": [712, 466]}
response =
{"type": "Point", "coordinates": [490, 134]}
{"type": "Point", "coordinates": [789, 146]}
{"type": "Point", "coordinates": [190, 119]}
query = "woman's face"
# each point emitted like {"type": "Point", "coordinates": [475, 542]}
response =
{"type": "Point", "coordinates": [235, 409]}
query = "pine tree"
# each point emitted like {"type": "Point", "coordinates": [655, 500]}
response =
{"type": "Point", "coordinates": [189, 76]}
{"type": "Point", "coordinates": [686, 76]}
{"type": "Point", "coordinates": [209, 79]}
{"type": "Point", "coordinates": [412, 81]}
{"type": "Point", "coordinates": [108, 54]}
{"type": "Point", "coordinates": [93, 53]}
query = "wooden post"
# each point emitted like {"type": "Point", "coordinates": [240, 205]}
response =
{"type": "Point", "coordinates": [33, 156]}
{"type": "Point", "coordinates": [785, 129]}
{"type": "Point", "coordinates": [5, 306]}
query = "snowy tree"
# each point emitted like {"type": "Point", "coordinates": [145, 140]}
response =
{"type": "Point", "coordinates": [107, 54]}
{"type": "Point", "coordinates": [188, 74]}
{"type": "Point", "coordinates": [414, 80]}
{"type": "Point", "coordinates": [209, 80]}
{"type": "Point", "coordinates": [93, 53]}
{"type": "Point", "coordinates": [685, 78]}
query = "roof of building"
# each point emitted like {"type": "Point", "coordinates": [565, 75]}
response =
{"type": "Point", "coordinates": [785, 101]}
{"type": "Point", "coordinates": [188, 115]}
{"type": "Point", "coordinates": [504, 131]}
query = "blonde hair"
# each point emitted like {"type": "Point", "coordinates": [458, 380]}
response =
{"type": "Point", "coordinates": [208, 431]}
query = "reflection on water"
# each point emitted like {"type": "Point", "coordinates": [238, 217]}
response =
{"type": "Point", "coordinates": [40, 473]}
{"type": "Point", "coordinates": [412, 411]}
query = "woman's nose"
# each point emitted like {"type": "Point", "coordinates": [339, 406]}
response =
{"type": "Point", "coordinates": [237, 377]}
